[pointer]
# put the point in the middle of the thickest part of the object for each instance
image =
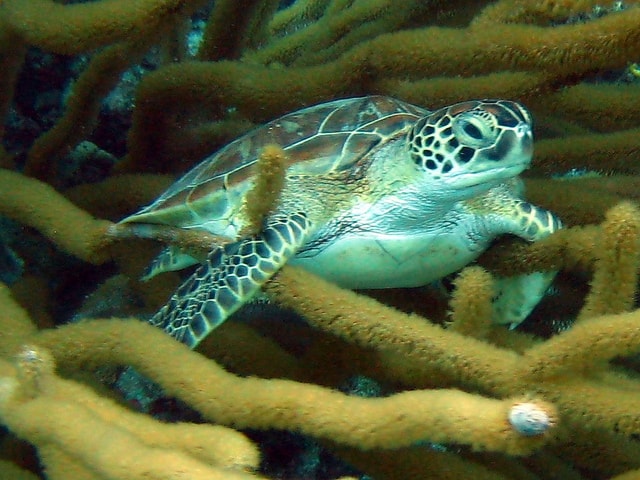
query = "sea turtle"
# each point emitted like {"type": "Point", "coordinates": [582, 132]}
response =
{"type": "Point", "coordinates": [378, 193]}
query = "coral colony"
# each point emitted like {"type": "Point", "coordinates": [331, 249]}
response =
{"type": "Point", "coordinates": [105, 103]}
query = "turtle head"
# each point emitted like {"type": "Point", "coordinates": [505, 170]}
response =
{"type": "Point", "coordinates": [472, 143]}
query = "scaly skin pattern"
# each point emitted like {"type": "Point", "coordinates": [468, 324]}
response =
{"type": "Point", "coordinates": [230, 275]}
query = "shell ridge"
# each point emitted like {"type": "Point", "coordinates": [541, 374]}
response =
{"type": "Point", "coordinates": [334, 134]}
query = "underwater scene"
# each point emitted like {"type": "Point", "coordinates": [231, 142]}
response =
{"type": "Point", "coordinates": [319, 239]}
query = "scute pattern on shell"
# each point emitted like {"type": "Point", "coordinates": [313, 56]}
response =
{"type": "Point", "coordinates": [328, 137]}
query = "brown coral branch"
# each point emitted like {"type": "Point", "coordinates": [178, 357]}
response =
{"type": "Point", "coordinates": [235, 26]}
{"type": "Point", "coordinates": [603, 108]}
{"type": "Point", "coordinates": [338, 30]}
{"type": "Point", "coordinates": [605, 153]}
{"type": "Point", "coordinates": [390, 422]}
{"type": "Point", "coordinates": [78, 28]}
{"type": "Point", "coordinates": [204, 85]}
{"type": "Point", "coordinates": [298, 14]}
{"type": "Point", "coordinates": [82, 108]}
{"type": "Point", "coordinates": [118, 196]}
{"type": "Point", "coordinates": [38, 205]}
{"type": "Point", "coordinates": [440, 91]}
{"type": "Point", "coordinates": [604, 43]}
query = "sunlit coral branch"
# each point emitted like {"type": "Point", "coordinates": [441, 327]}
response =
{"type": "Point", "coordinates": [615, 280]}
{"type": "Point", "coordinates": [473, 363]}
{"type": "Point", "coordinates": [391, 422]}
{"type": "Point", "coordinates": [265, 193]}
{"type": "Point", "coordinates": [104, 438]}
{"type": "Point", "coordinates": [470, 303]}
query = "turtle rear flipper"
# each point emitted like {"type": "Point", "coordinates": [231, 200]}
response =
{"type": "Point", "coordinates": [169, 260]}
{"type": "Point", "coordinates": [517, 296]}
{"type": "Point", "coordinates": [229, 277]}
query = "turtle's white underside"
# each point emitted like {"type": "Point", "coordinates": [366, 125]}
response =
{"type": "Point", "coordinates": [362, 260]}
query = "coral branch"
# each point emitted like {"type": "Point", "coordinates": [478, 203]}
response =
{"type": "Point", "coordinates": [471, 310]}
{"type": "Point", "coordinates": [615, 281]}
{"type": "Point", "coordinates": [38, 205]}
{"type": "Point", "coordinates": [17, 327]}
{"type": "Point", "coordinates": [585, 345]}
{"type": "Point", "coordinates": [421, 345]}
{"type": "Point", "coordinates": [391, 422]}
{"type": "Point", "coordinates": [572, 62]}
{"type": "Point", "coordinates": [265, 193]}
{"type": "Point", "coordinates": [235, 26]}
{"type": "Point", "coordinates": [71, 29]}
{"type": "Point", "coordinates": [96, 434]}
{"type": "Point", "coordinates": [83, 107]}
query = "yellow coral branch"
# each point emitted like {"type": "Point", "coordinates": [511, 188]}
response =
{"type": "Point", "coordinates": [588, 344]}
{"type": "Point", "coordinates": [268, 184]}
{"type": "Point", "coordinates": [16, 326]}
{"type": "Point", "coordinates": [470, 304]}
{"type": "Point", "coordinates": [99, 435]}
{"type": "Point", "coordinates": [615, 281]}
{"type": "Point", "coordinates": [391, 422]}
{"type": "Point", "coordinates": [420, 344]}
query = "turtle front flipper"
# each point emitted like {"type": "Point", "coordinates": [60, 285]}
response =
{"type": "Point", "coordinates": [229, 277]}
{"type": "Point", "coordinates": [518, 295]}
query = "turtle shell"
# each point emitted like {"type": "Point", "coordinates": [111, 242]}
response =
{"type": "Point", "coordinates": [324, 138]}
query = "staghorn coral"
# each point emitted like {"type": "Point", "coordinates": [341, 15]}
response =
{"type": "Point", "coordinates": [271, 61]}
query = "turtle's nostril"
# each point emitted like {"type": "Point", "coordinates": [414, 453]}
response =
{"type": "Point", "coordinates": [523, 130]}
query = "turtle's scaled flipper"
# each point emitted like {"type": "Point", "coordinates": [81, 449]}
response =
{"type": "Point", "coordinates": [229, 277]}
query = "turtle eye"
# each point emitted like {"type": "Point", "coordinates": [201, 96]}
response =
{"type": "Point", "coordinates": [474, 129]}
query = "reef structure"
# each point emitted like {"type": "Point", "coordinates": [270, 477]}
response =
{"type": "Point", "coordinates": [463, 399]}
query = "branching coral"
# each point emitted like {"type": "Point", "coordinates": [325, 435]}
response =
{"type": "Point", "coordinates": [408, 350]}
{"type": "Point", "coordinates": [452, 379]}
{"type": "Point", "coordinates": [132, 445]}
